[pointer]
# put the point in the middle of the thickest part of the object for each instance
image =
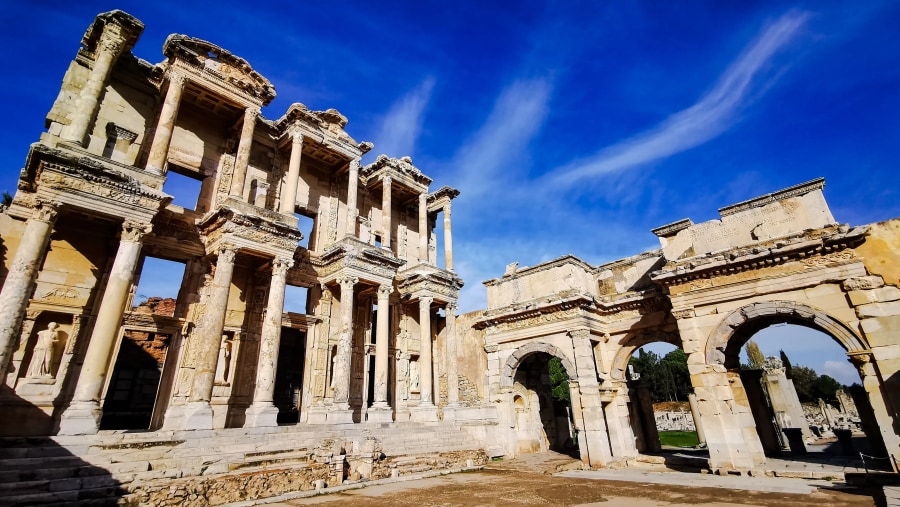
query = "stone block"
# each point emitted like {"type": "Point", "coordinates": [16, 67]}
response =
{"type": "Point", "coordinates": [879, 310]}
{"type": "Point", "coordinates": [863, 283]}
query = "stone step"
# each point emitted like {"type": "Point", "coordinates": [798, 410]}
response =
{"type": "Point", "coordinates": [92, 496]}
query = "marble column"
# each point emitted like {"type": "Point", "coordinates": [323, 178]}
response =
{"type": "Point", "coordinates": [289, 193]}
{"type": "Point", "coordinates": [263, 411]}
{"type": "Point", "coordinates": [448, 239]}
{"type": "Point", "coordinates": [242, 158]}
{"type": "Point", "coordinates": [386, 212]}
{"type": "Point", "coordinates": [380, 410]}
{"type": "Point", "coordinates": [22, 274]}
{"type": "Point", "coordinates": [345, 343]}
{"type": "Point", "coordinates": [352, 183]}
{"type": "Point", "coordinates": [159, 148]}
{"type": "Point", "coordinates": [423, 227]}
{"type": "Point", "coordinates": [82, 417]}
{"type": "Point", "coordinates": [426, 364]}
{"type": "Point", "coordinates": [207, 337]}
{"type": "Point", "coordinates": [452, 356]}
{"type": "Point", "coordinates": [109, 47]}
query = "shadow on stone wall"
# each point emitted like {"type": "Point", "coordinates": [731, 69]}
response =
{"type": "Point", "coordinates": [39, 471]}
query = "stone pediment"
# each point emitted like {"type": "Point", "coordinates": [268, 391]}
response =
{"type": "Point", "coordinates": [353, 257]}
{"type": "Point", "coordinates": [401, 169]}
{"type": "Point", "coordinates": [268, 234]}
{"type": "Point", "coordinates": [324, 126]}
{"type": "Point", "coordinates": [129, 28]}
{"type": "Point", "coordinates": [218, 64]}
{"type": "Point", "coordinates": [427, 280]}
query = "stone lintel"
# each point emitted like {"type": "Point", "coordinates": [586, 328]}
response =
{"type": "Point", "coordinates": [669, 230]}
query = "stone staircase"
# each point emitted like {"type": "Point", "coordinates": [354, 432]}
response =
{"type": "Point", "coordinates": [111, 467]}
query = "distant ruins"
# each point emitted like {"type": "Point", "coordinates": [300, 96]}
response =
{"type": "Point", "coordinates": [378, 370]}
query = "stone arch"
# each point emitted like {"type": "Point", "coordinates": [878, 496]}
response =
{"type": "Point", "coordinates": [735, 329]}
{"type": "Point", "coordinates": [634, 342]}
{"type": "Point", "coordinates": [512, 364]}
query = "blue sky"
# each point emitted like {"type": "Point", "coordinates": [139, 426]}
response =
{"type": "Point", "coordinates": [569, 127]}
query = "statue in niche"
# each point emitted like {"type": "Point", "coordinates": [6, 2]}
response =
{"type": "Point", "coordinates": [403, 374]}
{"type": "Point", "coordinates": [413, 376]}
{"type": "Point", "coordinates": [223, 366]}
{"type": "Point", "coordinates": [42, 357]}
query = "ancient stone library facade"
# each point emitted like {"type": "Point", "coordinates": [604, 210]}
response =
{"type": "Point", "coordinates": [378, 343]}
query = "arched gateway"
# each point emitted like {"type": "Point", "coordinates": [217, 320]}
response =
{"type": "Point", "coordinates": [778, 258]}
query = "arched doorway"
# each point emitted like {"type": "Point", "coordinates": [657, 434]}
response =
{"type": "Point", "coordinates": [541, 415]}
{"type": "Point", "coordinates": [753, 388]}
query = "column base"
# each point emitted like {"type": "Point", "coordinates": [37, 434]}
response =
{"type": "Point", "coordinates": [424, 413]}
{"type": "Point", "coordinates": [316, 414]}
{"type": "Point", "coordinates": [198, 415]}
{"type": "Point", "coordinates": [261, 415]}
{"type": "Point", "coordinates": [380, 413]}
{"type": "Point", "coordinates": [81, 418]}
{"type": "Point", "coordinates": [449, 412]}
{"type": "Point", "coordinates": [339, 415]}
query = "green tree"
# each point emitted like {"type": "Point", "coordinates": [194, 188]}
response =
{"type": "Point", "coordinates": [755, 356]}
{"type": "Point", "coordinates": [7, 199]}
{"type": "Point", "coordinates": [667, 378]}
{"type": "Point", "coordinates": [559, 380]}
{"type": "Point", "coordinates": [675, 365]}
{"type": "Point", "coordinates": [826, 388]}
{"type": "Point", "coordinates": [805, 383]}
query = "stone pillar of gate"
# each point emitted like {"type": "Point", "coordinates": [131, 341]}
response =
{"type": "Point", "coordinates": [203, 349]}
{"type": "Point", "coordinates": [763, 414]}
{"type": "Point", "coordinates": [82, 417]}
{"type": "Point", "coordinates": [644, 404]}
{"type": "Point", "coordinates": [289, 193]}
{"type": "Point", "coordinates": [452, 356]}
{"type": "Point", "coordinates": [621, 434]}
{"type": "Point", "coordinates": [386, 212]}
{"type": "Point", "coordinates": [448, 239]}
{"type": "Point", "coordinates": [595, 431]}
{"type": "Point", "coordinates": [352, 184]}
{"type": "Point", "coordinates": [111, 45]}
{"type": "Point", "coordinates": [873, 385]}
{"type": "Point", "coordinates": [22, 274]}
{"type": "Point", "coordinates": [426, 411]}
{"type": "Point", "coordinates": [695, 413]}
{"type": "Point", "coordinates": [423, 227]}
{"type": "Point", "coordinates": [340, 411]}
{"type": "Point", "coordinates": [242, 158]}
{"type": "Point", "coordinates": [263, 411]}
{"type": "Point", "coordinates": [380, 411]}
{"type": "Point", "coordinates": [159, 148]}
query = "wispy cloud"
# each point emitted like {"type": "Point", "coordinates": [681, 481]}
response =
{"type": "Point", "coordinates": [403, 122]}
{"type": "Point", "coordinates": [517, 116]}
{"type": "Point", "coordinates": [712, 115]}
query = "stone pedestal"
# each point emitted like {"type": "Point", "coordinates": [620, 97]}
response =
{"type": "Point", "coordinates": [261, 415]}
{"type": "Point", "coordinates": [81, 418]}
{"type": "Point", "coordinates": [198, 415]}
{"type": "Point", "coordinates": [424, 413]}
{"type": "Point", "coordinates": [316, 415]}
{"type": "Point", "coordinates": [380, 414]}
{"type": "Point", "coordinates": [339, 415]}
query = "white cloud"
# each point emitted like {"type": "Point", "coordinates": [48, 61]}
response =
{"type": "Point", "coordinates": [403, 122]}
{"type": "Point", "coordinates": [712, 115]}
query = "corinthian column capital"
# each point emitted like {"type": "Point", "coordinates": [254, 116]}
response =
{"type": "Point", "coordinates": [135, 231]}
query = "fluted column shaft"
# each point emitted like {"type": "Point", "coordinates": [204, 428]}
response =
{"type": "Point", "coordinates": [423, 227]}
{"type": "Point", "coordinates": [109, 48]}
{"type": "Point", "coordinates": [22, 274]}
{"type": "Point", "coordinates": [350, 226]}
{"type": "Point", "coordinates": [382, 342]}
{"type": "Point", "coordinates": [452, 356]}
{"type": "Point", "coordinates": [159, 149]}
{"type": "Point", "coordinates": [448, 239]}
{"type": "Point", "coordinates": [386, 212]}
{"type": "Point", "coordinates": [242, 159]}
{"type": "Point", "coordinates": [208, 333]}
{"type": "Point", "coordinates": [426, 367]}
{"type": "Point", "coordinates": [83, 414]}
{"type": "Point", "coordinates": [289, 194]}
{"type": "Point", "coordinates": [345, 343]}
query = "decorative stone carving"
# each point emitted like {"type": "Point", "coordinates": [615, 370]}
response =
{"type": "Point", "coordinates": [43, 354]}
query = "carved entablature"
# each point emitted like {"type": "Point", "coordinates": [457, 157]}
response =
{"type": "Point", "coordinates": [813, 250]}
{"type": "Point", "coordinates": [324, 128]}
{"type": "Point", "coordinates": [219, 67]}
{"type": "Point", "coordinates": [79, 180]}
{"type": "Point", "coordinates": [248, 231]}
{"type": "Point", "coordinates": [114, 27]}
{"type": "Point", "coordinates": [441, 198]}
{"type": "Point", "coordinates": [400, 170]}
{"type": "Point", "coordinates": [428, 281]}
{"type": "Point", "coordinates": [303, 274]}
{"type": "Point", "coordinates": [351, 256]}
{"type": "Point", "coordinates": [518, 317]}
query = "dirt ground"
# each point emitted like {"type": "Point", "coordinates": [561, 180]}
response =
{"type": "Point", "coordinates": [522, 488]}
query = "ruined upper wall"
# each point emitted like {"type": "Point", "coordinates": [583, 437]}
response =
{"type": "Point", "coordinates": [566, 274]}
{"type": "Point", "coordinates": [782, 213]}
